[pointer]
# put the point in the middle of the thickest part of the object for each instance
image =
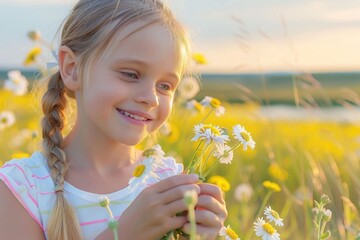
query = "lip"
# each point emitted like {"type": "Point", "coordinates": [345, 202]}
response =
{"type": "Point", "coordinates": [139, 113]}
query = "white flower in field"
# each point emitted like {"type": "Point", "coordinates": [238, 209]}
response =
{"type": "Point", "coordinates": [223, 152]}
{"type": "Point", "coordinates": [7, 119]}
{"type": "Point", "coordinates": [272, 215]}
{"type": "Point", "coordinates": [243, 136]}
{"type": "Point", "coordinates": [188, 87]}
{"type": "Point", "coordinates": [16, 83]}
{"type": "Point", "coordinates": [143, 172]}
{"type": "Point", "coordinates": [228, 233]}
{"type": "Point", "coordinates": [219, 111]}
{"type": "Point", "coordinates": [194, 106]}
{"type": "Point", "coordinates": [265, 230]}
{"type": "Point", "coordinates": [243, 192]}
{"type": "Point", "coordinates": [209, 133]}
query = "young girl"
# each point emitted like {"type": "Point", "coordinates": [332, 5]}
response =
{"type": "Point", "coordinates": [121, 61]}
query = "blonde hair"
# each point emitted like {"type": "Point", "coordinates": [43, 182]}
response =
{"type": "Point", "coordinates": [88, 32]}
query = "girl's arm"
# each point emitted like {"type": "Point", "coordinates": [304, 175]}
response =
{"type": "Point", "coordinates": [15, 221]}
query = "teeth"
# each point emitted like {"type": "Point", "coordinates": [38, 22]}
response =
{"type": "Point", "coordinates": [134, 116]}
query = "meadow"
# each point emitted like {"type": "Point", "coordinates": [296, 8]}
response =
{"type": "Point", "coordinates": [301, 158]}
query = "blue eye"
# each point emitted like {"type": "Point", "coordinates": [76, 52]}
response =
{"type": "Point", "coordinates": [130, 75]}
{"type": "Point", "coordinates": [166, 87]}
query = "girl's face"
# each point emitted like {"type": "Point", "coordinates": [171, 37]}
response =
{"type": "Point", "coordinates": [130, 91]}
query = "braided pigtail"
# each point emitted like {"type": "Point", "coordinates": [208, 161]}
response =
{"type": "Point", "coordinates": [63, 224]}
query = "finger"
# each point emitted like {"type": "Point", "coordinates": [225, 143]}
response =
{"type": "Point", "coordinates": [204, 232]}
{"type": "Point", "coordinates": [207, 218]}
{"type": "Point", "coordinates": [175, 181]}
{"type": "Point", "coordinates": [212, 190]}
{"type": "Point", "coordinates": [211, 204]}
{"type": "Point", "coordinates": [175, 223]}
{"type": "Point", "coordinates": [178, 192]}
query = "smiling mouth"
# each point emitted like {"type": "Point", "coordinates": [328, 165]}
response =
{"type": "Point", "coordinates": [133, 116]}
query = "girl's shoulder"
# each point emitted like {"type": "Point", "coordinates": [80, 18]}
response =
{"type": "Point", "coordinates": [33, 166]}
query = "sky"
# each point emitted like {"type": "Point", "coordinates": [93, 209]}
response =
{"type": "Point", "coordinates": [234, 35]}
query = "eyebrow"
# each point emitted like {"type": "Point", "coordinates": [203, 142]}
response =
{"type": "Point", "coordinates": [145, 64]}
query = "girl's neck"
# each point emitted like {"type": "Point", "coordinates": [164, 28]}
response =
{"type": "Point", "coordinates": [82, 152]}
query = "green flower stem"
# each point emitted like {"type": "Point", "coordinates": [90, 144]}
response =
{"type": "Point", "coordinates": [198, 160]}
{"type": "Point", "coordinates": [218, 159]}
{"type": "Point", "coordinates": [192, 161]}
{"type": "Point", "coordinates": [207, 115]}
{"type": "Point", "coordinates": [191, 217]}
{"type": "Point", "coordinates": [206, 159]}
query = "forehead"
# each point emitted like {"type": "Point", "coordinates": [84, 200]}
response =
{"type": "Point", "coordinates": [152, 44]}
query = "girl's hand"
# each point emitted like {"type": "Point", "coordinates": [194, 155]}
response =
{"type": "Point", "coordinates": [151, 214]}
{"type": "Point", "coordinates": [210, 212]}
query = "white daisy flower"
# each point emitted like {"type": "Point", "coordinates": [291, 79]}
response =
{"type": "Point", "coordinates": [272, 215]}
{"type": "Point", "coordinates": [188, 87]}
{"type": "Point", "coordinates": [194, 106]}
{"type": "Point", "coordinates": [167, 167]}
{"type": "Point", "coordinates": [7, 119]}
{"type": "Point", "coordinates": [265, 230]}
{"type": "Point", "coordinates": [143, 172]}
{"type": "Point", "coordinates": [219, 111]}
{"type": "Point", "coordinates": [228, 233]}
{"type": "Point", "coordinates": [16, 83]}
{"type": "Point", "coordinates": [221, 149]}
{"type": "Point", "coordinates": [243, 136]}
{"type": "Point", "coordinates": [243, 192]}
{"type": "Point", "coordinates": [210, 101]}
{"type": "Point", "coordinates": [209, 133]}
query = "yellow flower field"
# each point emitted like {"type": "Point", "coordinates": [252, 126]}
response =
{"type": "Point", "coordinates": [304, 158]}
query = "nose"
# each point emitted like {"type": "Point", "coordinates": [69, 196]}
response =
{"type": "Point", "coordinates": [147, 95]}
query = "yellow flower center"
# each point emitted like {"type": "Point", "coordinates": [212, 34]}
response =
{"type": "Point", "coordinates": [212, 128]}
{"type": "Point", "coordinates": [139, 170]}
{"type": "Point", "coordinates": [268, 228]}
{"type": "Point", "coordinates": [275, 214]}
{"type": "Point", "coordinates": [215, 103]}
{"type": "Point", "coordinates": [198, 106]}
{"type": "Point", "coordinates": [149, 152]}
{"type": "Point", "coordinates": [4, 120]}
{"type": "Point", "coordinates": [245, 136]}
{"type": "Point", "coordinates": [231, 233]}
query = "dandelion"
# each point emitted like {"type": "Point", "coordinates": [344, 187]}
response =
{"type": "Point", "coordinates": [194, 105]}
{"type": "Point", "coordinates": [243, 136]}
{"type": "Point", "coordinates": [243, 192]}
{"type": "Point", "coordinates": [209, 133]}
{"type": "Point", "coordinates": [16, 83]}
{"type": "Point", "coordinates": [7, 119]}
{"type": "Point", "coordinates": [228, 233]}
{"type": "Point", "coordinates": [277, 172]}
{"type": "Point", "coordinates": [224, 152]}
{"type": "Point", "coordinates": [272, 215]}
{"type": "Point", "coordinates": [265, 230]}
{"type": "Point", "coordinates": [191, 199]}
{"type": "Point", "coordinates": [272, 186]}
{"type": "Point", "coordinates": [220, 181]}
{"type": "Point", "coordinates": [199, 58]}
{"type": "Point", "coordinates": [32, 55]}
{"type": "Point", "coordinates": [188, 87]}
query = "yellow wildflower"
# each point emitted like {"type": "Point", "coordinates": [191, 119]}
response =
{"type": "Point", "coordinates": [31, 57]}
